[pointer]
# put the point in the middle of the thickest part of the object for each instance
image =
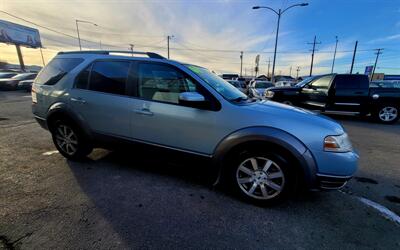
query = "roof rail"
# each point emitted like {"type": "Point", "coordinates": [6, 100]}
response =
{"type": "Point", "coordinates": [108, 52]}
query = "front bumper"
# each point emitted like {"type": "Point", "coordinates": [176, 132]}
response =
{"type": "Point", "coordinates": [335, 169]}
{"type": "Point", "coordinates": [332, 182]}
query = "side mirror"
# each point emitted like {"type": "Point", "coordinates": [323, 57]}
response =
{"type": "Point", "coordinates": [191, 97]}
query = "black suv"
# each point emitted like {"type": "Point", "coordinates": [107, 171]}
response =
{"type": "Point", "coordinates": [341, 94]}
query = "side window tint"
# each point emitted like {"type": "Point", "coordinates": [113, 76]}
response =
{"type": "Point", "coordinates": [82, 80]}
{"type": "Point", "coordinates": [109, 77]}
{"type": "Point", "coordinates": [348, 81]}
{"type": "Point", "coordinates": [322, 82]}
{"type": "Point", "coordinates": [56, 69]}
{"type": "Point", "coordinates": [163, 83]}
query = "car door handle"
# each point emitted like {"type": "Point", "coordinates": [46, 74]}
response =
{"type": "Point", "coordinates": [143, 112]}
{"type": "Point", "coordinates": [78, 100]}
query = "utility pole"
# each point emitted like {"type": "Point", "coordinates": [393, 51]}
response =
{"type": "Point", "coordinates": [269, 62]}
{"type": "Point", "coordinates": [334, 54]}
{"type": "Point", "coordinates": [290, 71]}
{"type": "Point", "coordinates": [131, 47]}
{"type": "Point", "coordinates": [354, 57]}
{"type": "Point", "coordinates": [297, 74]}
{"type": "Point", "coordinates": [313, 51]}
{"type": "Point", "coordinates": [20, 58]}
{"type": "Point", "coordinates": [241, 62]}
{"type": "Point", "coordinates": [41, 53]}
{"type": "Point", "coordinates": [168, 38]}
{"type": "Point", "coordinates": [378, 52]}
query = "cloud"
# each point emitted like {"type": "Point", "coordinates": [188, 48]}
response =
{"type": "Point", "coordinates": [386, 39]}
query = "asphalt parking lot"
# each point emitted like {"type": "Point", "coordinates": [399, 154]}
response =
{"type": "Point", "coordinates": [119, 200]}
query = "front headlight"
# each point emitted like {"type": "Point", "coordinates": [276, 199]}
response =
{"type": "Point", "coordinates": [337, 143]}
{"type": "Point", "coordinates": [269, 94]}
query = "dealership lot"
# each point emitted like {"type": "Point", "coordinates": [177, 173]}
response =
{"type": "Point", "coordinates": [119, 200]}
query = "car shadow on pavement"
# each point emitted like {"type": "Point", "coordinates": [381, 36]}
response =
{"type": "Point", "coordinates": [152, 203]}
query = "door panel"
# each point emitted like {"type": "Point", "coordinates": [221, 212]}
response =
{"type": "Point", "coordinates": [315, 94]}
{"type": "Point", "coordinates": [99, 97]}
{"type": "Point", "coordinates": [158, 117]}
{"type": "Point", "coordinates": [348, 94]}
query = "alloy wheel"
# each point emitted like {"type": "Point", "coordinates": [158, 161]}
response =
{"type": "Point", "coordinates": [260, 178]}
{"type": "Point", "coordinates": [388, 114]}
{"type": "Point", "coordinates": [66, 139]}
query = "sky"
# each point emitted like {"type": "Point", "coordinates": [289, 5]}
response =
{"type": "Point", "coordinates": [212, 33]}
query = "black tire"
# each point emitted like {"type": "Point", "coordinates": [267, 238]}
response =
{"type": "Point", "coordinates": [393, 112]}
{"type": "Point", "coordinates": [287, 102]}
{"type": "Point", "coordinates": [77, 141]}
{"type": "Point", "coordinates": [260, 177]}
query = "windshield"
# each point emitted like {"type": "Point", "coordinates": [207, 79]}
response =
{"type": "Point", "coordinates": [305, 81]}
{"type": "Point", "coordinates": [225, 89]}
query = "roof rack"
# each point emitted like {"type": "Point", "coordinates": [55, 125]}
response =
{"type": "Point", "coordinates": [108, 52]}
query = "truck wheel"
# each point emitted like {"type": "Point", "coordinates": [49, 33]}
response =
{"type": "Point", "coordinates": [69, 140]}
{"type": "Point", "coordinates": [387, 114]}
{"type": "Point", "coordinates": [259, 177]}
{"type": "Point", "coordinates": [287, 102]}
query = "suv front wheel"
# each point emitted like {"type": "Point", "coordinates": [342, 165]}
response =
{"type": "Point", "coordinates": [69, 140]}
{"type": "Point", "coordinates": [260, 177]}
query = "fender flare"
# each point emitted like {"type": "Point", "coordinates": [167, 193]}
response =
{"type": "Point", "coordinates": [270, 135]}
{"type": "Point", "coordinates": [64, 109]}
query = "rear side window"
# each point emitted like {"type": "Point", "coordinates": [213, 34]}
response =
{"type": "Point", "coordinates": [56, 69]}
{"type": "Point", "coordinates": [109, 77]}
{"type": "Point", "coordinates": [351, 81]}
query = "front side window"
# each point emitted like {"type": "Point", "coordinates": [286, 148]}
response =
{"type": "Point", "coordinates": [109, 77]}
{"type": "Point", "coordinates": [322, 82]}
{"type": "Point", "coordinates": [56, 69]}
{"type": "Point", "coordinates": [163, 83]}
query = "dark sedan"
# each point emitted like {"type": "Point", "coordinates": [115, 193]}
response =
{"type": "Point", "coordinates": [12, 83]}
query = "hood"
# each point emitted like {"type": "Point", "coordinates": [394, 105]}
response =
{"type": "Point", "coordinates": [7, 80]}
{"type": "Point", "coordinates": [276, 89]}
{"type": "Point", "coordinates": [299, 122]}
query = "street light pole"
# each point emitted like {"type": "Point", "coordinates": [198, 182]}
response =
{"type": "Point", "coordinates": [279, 14]}
{"type": "Point", "coordinates": [77, 30]}
{"type": "Point", "coordinates": [334, 55]}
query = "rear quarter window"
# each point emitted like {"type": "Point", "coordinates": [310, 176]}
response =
{"type": "Point", "coordinates": [351, 81]}
{"type": "Point", "coordinates": [56, 69]}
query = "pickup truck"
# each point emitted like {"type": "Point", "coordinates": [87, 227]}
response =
{"type": "Point", "coordinates": [341, 94]}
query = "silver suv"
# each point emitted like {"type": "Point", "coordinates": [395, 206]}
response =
{"type": "Point", "coordinates": [261, 149]}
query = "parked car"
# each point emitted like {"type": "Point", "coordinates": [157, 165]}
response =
{"type": "Point", "coordinates": [26, 85]}
{"type": "Point", "coordinates": [229, 76]}
{"type": "Point", "coordinates": [262, 150]}
{"type": "Point", "coordinates": [284, 81]}
{"type": "Point", "coordinates": [7, 74]}
{"type": "Point", "coordinates": [239, 85]}
{"type": "Point", "coordinates": [342, 94]}
{"type": "Point", "coordinates": [12, 83]}
{"type": "Point", "coordinates": [257, 88]}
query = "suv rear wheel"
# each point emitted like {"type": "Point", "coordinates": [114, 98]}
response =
{"type": "Point", "coordinates": [387, 114]}
{"type": "Point", "coordinates": [69, 140]}
{"type": "Point", "coordinates": [260, 177]}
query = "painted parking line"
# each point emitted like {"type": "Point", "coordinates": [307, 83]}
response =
{"type": "Point", "coordinates": [50, 152]}
{"type": "Point", "coordinates": [27, 96]}
{"type": "Point", "coordinates": [384, 211]}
